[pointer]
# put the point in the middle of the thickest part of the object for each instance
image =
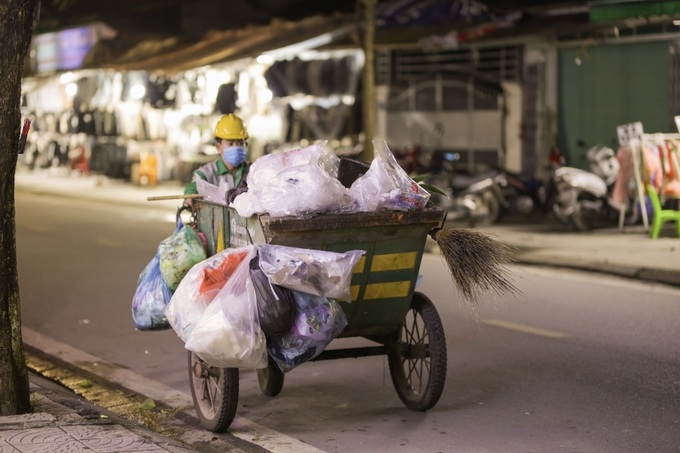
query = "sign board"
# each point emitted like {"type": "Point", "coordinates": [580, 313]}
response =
{"type": "Point", "coordinates": [63, 50]}
{"type": "Point", "coordinates": [628, 132]}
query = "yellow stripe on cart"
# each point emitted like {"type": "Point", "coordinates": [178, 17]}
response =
{"type": "Point", "coordinates": [384, 263]}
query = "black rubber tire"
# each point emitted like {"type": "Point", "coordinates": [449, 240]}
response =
{"type": "Point", "coordinates": [583, 218]}
{"type": "Point", "coordinates": [417, 361]}
{"type": "Point", "coordinates": [270, 379]}
{"type": "Point", "coordinates": [215, 393]}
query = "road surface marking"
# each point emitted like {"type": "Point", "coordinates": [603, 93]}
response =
{"type": "Point", "coordinates": [524, 328]}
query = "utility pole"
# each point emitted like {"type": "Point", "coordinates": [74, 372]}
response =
{"type": "Point", "coordinates": [369, 79]}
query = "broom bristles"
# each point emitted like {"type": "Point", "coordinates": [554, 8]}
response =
{"type": "Point", "coordinates": [477, 263]}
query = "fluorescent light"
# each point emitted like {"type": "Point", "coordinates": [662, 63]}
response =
{"type": "Point", "coordinates": [311, 43]}
{"type": "Point", "coordinates": [71, 89]}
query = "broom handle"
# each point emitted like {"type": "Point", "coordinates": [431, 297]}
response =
{"type": "Point", "coordinates": [435, 230]}
{"type": "Point", "coordinates": [174, 197]}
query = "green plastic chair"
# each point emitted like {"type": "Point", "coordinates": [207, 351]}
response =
{"type": "Point", "coordinates": [661, 215]}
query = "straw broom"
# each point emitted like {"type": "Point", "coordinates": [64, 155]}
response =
{"type": "Point", "coordinates": [477, 263]}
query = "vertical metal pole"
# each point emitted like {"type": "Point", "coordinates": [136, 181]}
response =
{"type": "Point", "coordinates": [637, 155]}
{"type": "Point", "coordinates": [369, 79]}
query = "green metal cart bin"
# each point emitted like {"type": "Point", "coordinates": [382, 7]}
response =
{"type": "Point", "coordinates": [385, 308]}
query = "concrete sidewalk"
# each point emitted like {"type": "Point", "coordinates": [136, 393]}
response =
{"type": "Point", "coordinates": [63, 422]}
{"type": "Point", "coordinates": [630, 253]}
{"type": "Point", "coordinates": [75, 411]}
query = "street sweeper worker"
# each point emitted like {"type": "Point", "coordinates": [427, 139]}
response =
{"type": "Point", "coordinates": [231, 166]}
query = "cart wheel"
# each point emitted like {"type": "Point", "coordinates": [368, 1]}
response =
{"type": "Point", "coordinates": [418, 360]}
{"type": "Point", "coordinates": [270, 378]}
{"type": "Point", "coordinates": [215, 393]}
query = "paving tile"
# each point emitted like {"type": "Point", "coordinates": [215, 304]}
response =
{"type": "Point", "coordinates": [43, 440]}
{"type": "Point", "coordinates": [111, 439]}
{"type": "Point", "coordinates": [34, 436]}
{"type": "Point", "coordinates": [7, 448]}
{"type": "Point", "coordinates": [82, 432]}
{"type": "Point", "coordinates": [4, 445]}
{"type": "Point", "coordinates": [178, 449]}
{"type": "Point", "coordinates": [22, 419]}
{"type": "Point", "coordinates": [70, 446]}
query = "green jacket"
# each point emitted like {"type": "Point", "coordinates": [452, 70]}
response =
{"type": "Point", "coordinates": [214, 172]}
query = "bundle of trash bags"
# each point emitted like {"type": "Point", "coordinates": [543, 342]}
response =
{"type": "Point", "coordinates": [175, 256]}
{"type": "Point", "coordinates": [305, 181]}
{"type": "Point", "coordinates": [235, 308]}
{"type": "Point", "coordinates": [241, 305]}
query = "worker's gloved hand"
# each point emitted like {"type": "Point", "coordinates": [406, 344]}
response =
{"type": "Point", "coordinates": [234, 155]}
{"type": "Point", "coordinates": [188, 203]}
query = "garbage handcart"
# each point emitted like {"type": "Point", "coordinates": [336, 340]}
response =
{"type": "Point", "coordinates": [385, 307]}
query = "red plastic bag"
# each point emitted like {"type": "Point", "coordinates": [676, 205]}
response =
{"type": "Point", "coordinates": [216, 273]}
{"type": "Point", "coordinates": [199, 287]}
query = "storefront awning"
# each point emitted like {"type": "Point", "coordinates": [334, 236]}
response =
{"type": "Point", "coordinates": [229, 45]}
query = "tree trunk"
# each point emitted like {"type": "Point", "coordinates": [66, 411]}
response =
{"type": "Point", "coordinates": [17, 19]}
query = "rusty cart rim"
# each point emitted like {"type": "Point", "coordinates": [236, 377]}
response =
{"type": "Point", "coordinates": [417, 361]}
{"type": "Point", "coordinates": [214, 392]}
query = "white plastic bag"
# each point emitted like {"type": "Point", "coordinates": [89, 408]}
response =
{"type": "Point", "coordinates": [211, 192]}
{"type": "Point", "coordinates": [386, 185]}
{"type": "Point", "coordinates": [297, 182]}
{"type": "Point", "coordinates": [199, 287]}
{"type": "Point", "coordinates": [315, 272]}
{"type": "Point", "coordinates": [246, 204]}
{"type": "Point", "coordinates": [228, 335]}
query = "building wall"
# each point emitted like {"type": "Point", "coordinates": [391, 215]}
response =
{"type": "Point", "coordinates": [604, 86]}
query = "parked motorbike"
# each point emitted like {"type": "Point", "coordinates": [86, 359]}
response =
{"type": "Point", "coordinates": [479, 199]}
{"type": "Point", "coordinates": [583, 197]}
{"type": "Point", "coordinates": [466, 197]}
{"type": "Point", "coordinates": [526, 196]}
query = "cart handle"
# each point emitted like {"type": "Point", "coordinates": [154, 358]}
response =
{"type": "Point", "coordinates": [434, 231]}
{"type": "Point", "coordinates": [174, 197]}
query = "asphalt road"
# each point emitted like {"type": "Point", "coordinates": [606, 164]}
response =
{"type": "Point", "coordinates": [575, 363]}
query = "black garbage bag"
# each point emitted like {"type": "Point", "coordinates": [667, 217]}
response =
{"type": "Point", "coordinates": [275, 304]}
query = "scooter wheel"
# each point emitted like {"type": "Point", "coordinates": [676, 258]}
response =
{"type": "Point", "coordinates": [584, 217]}
{"type": "Point", "coordinates": [488, 210]}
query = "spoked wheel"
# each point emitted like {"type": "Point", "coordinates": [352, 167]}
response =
{"type": "Point", "coordinates": [418, 360]}
{"type": "Point", "coordinates": [270, 379]}
{"type": "Point", "coordinates": [215, 393]}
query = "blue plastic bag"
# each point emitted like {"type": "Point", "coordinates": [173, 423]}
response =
{"type": "Point", "coordinates": [318, 320]}
{"type": "Point", "coordinates": [151, 297]}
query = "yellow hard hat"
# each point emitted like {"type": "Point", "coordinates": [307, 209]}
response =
{"type": "Point", "coordinates": [230, 127]}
